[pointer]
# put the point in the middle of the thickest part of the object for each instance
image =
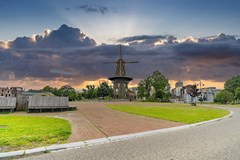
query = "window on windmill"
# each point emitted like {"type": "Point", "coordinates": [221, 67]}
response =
{"type": "Point", "coordinates": [118, 84]}
{"type": "Point", "coordinates": [116, 90]}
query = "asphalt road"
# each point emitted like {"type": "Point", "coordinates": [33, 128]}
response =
{"type": "Point", "coordinates": [214, 141]}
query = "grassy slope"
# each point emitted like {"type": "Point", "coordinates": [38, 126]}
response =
{"type": "Point", "coordinates": [21, 132]}
{"type": "Point", "coordinates": [173, 112]}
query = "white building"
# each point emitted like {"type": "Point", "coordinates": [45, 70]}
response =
{"type": "Point", "coordinates": [209, 93]}
{"type": "Point", "coordinates": [182, 93]}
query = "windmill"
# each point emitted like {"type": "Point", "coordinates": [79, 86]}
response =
{"type": "Point", "coordinates": [120, 81]}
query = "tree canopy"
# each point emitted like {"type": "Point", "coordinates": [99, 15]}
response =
{"type": "Point", "coordinates": [66, 91]}
{"type": "Point", "coordinates": [232, 84]}
{"type": "Point", "coordinates": [90, 92]}
{"type": "Point", "coordinates": [104, 90]}
{"type": "Point", "coordinates": [224, 97]}
{"type": "Point", "coordinates": [155, 87]}
{"type": "Point", "coordinates": [237, 94]}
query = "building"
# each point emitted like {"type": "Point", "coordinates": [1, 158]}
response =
{"type": "Point", "coordinates": [178, 89]}
{"type": "Point", "coordinates": [10, 92]}
{"type": "Point", "coordinates": [120, 80]}
{"type": "Point", "coordinates": [16, 91]}
{"type": "Point", "coordinates": [183, 93]}
{"type": "Point", "coordinates": [208, 94]}
{"type": "Point", "coordinates": [5, 92]}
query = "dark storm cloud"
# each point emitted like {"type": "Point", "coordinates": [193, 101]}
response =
{"type": "Point", "coordinates": [141, 37]}
{"type": "Point", "coordinates": [66, 53]}
{"type": "Point", "coordinates": [93, 9]}
{"type": "Point", "coordinates": [63, 37]}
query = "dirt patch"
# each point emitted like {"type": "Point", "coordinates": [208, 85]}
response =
{"type": "Point", "coordinates": [3, 126]}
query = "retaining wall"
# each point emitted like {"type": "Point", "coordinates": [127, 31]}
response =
{"type": "Point", "coordinates": [7, 102]}
{"type": "Point", "coordinates": [45, 102]}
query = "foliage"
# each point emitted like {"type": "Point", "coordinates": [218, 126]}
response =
{"type": "Point", "coordinates": [237, 94]}
{"type": "Point", "coordinates": [141, 89]}
{"type": "Point", "coordinates": [90, 92]}
{"type": "Point", "coordinates": [224, 97]}
{"type": "Point", "coordinates": [232, 84]}
{"type": "Point", "coordinates": [66, 91]}
{"type": "Point", "coordinates": [79, 96]}
{"type": "Point", "coordinates": [52, 90]}
{"type": "Point", "coordinates": [193, 104]}
{"type": "Point", "coordinates": [22, 132]}
{"type": "Point", "coordinates": [174, 112]}
{"type": "Point", "coordinates": [104, 90]}
{"type": "Point", "coordinates": [155, 87]}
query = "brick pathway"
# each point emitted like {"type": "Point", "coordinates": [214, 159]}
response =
{"type": "Point", "coordinates": [94, 120]}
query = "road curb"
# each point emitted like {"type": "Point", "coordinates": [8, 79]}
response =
{"type": "Point", "coordinates": [57, 147]}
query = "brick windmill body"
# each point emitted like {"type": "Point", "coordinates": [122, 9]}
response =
{"type": "Point", "coordinates": [120, 81]}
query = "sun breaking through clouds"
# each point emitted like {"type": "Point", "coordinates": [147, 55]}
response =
{"type": "Point", "coordinates": [68, 56]}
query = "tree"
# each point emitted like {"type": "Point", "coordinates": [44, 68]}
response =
{"type": "Point", "coordinates": [232, 84]}
{"type": "Point", "coordinates": [90, 92]}
{"type": "Point", "coordinates": [52, 90]}
{"type": "Point", "coordinates": [47, 89]}
{"type": "Point", "coordinates": [66, 91]}
{"type": "Point", "coordinates": [237, 94]}
{"type": "Point", "coordinates": [224, 97]}
{"type": "Point", "coordinates": [104, 90]}
{"type": "Point", "coordinates": [79, 96]}
{"type": "Point", "coordinates": [69, 92]}
{"type": "Point", "coordinates": [155, 87]}
{"type": "Point", "coordinates": [141, 89]}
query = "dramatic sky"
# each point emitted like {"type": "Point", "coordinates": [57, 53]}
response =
{"type": "Point", "coordinates": [59, 42]}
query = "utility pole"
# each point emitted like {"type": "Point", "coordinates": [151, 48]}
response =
{"type": "Point", "coordinates": [200, 86]}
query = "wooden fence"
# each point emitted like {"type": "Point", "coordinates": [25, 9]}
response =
{"type": "Point", "coordinates": [22, 103]}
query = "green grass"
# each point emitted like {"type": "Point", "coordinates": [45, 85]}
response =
{"type": "Point", "coordinates": [173, 112]}
{"type": "Point", "coordinates": [22, 132]}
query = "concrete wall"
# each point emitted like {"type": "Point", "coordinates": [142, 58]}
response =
{"type": "Point", "coordinates": [7, 102]}
{"type": "Point", "coordinates": [38, 102]}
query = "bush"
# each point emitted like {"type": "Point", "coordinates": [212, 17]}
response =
{"type": "Point", "coordinates": [193, 104]}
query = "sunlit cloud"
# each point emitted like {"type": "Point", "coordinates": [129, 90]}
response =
{"type": "Point", "coordinates": [69, 56]}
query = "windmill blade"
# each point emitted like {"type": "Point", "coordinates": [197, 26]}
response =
{"type": "Point", "coordinates": [132, 62]}
{"type": "Point", "coordinates": [109, 62]}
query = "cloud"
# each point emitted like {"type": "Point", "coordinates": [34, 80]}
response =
{"type": "Point", "coordinates": [141, 37]}
{"type": "Point", "coordinates": [143, 41]}
{"type": "Point", "coordinates": [3, 44]}
{"type": "Point", "coordinates": [66, 55]}
{"type": "Point", "coordinates": [93, 9]}
{"type": "Point", "coordinates": [63, 37]}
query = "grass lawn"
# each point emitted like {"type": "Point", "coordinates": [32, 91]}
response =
{"type": "Point", "coordinates": [24, 132]}
{"type": "Point", "coordinates": [174, 112]}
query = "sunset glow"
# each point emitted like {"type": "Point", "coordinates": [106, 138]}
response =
{"type": "Point", "coordinates": [68, 42]}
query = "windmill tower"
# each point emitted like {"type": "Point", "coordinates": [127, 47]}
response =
{"type": "Point", "coordinates": [120, 81]}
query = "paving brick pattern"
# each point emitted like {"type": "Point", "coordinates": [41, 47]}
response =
{"type": "Point", "coordinates": [94, 120]}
